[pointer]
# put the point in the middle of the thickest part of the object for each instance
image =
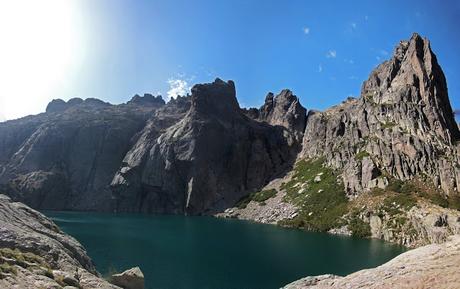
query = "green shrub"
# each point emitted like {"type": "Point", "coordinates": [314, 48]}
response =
{"type": "Point", "coordinates": [359, 228]}
{"type": "Point", "coordinates": [361, 155]}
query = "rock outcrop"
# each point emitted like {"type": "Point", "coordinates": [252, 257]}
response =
{"type": "Point", "coordinates": [283, 110]}
{"type": "Point", "coordinates": [35, 253]}
{"type": "Point", "coordinates": [402, 126]}
{"type": "Point", "coordinates": [432, 266]}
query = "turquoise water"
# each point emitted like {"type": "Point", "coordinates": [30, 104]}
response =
{"type": "Point", "coordinates": [177, 252]}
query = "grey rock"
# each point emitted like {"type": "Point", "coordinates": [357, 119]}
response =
{"type": "Point", "coordinates": [432, 266]}
{"type": "Point", "coordinates": [27, 230]}
{"type": "Point", "coordinates": [130, 279]}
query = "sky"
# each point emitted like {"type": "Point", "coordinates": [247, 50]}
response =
{"type": "Point", "coordinates": [113, 49]}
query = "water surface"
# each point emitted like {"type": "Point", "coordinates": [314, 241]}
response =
{"type": "Point", "coordinates": [177, 252]}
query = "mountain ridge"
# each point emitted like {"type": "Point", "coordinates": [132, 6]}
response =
{"type": "Point", "coordinates": [200, 154]}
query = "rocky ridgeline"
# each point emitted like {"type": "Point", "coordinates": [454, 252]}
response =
{"type": "Point", "coordinates": [201, 153]}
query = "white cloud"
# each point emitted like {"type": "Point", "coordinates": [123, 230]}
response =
{"type": "Point", "coordinates": [384, 52]}
{"type": "Point", "coordinates": [352, 77]}
{"type": "Point", "coordinates": [2, 118]}
{"type": "Point", "coordinates": [350, 61]}
{"type": "Point", "coordinates": [320, 68]}
{"type": "Point", "coordinates": [306, 30]}
{"type": "Point", "coordinates": [366, 17]}
{"type": "Point", "coordinates": [177, 87]}
{"type": "Point", "coordinates": [331, 54]}
{"type": "Point", "coordinates": [353, 25]}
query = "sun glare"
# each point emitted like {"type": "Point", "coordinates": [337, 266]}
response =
{"type": "Point", "coordinates": [38, 47]}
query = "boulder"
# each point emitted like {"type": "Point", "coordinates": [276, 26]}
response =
{"type": "Point", "coordinates": [130, 279]}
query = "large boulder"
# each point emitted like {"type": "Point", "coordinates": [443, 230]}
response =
{"type": "Point", "coordinates": [130, 279]}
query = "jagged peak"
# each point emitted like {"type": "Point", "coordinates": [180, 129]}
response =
{"type": "Point", "coordinates": [218, 97]}
{"type": "Point", "coordinates": [414, 75]}
{"type": "Point", "coordinates": [148, 99]}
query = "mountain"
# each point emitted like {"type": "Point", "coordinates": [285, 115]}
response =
{"type": "Point", "coordinates": [202, 153]}
{"type": "Point", "coordinates": [402, 125]}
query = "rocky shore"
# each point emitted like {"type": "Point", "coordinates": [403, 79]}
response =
{"type": "Point", "coordinates": [35, 253]}
{"type": "Point", "coordinates": [431, 266]}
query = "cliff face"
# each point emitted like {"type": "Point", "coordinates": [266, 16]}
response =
{"type": "Point", "coordinates": [205, 161]}
{"type": "Point", "coordinates": [65, 158]}
{"type": "Point", "coordinates": [402, 126]}
{"type": "Point", "coordinates": [193, 155]}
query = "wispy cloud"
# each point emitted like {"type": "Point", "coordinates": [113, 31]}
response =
{"type": "Point", "coordinates": [320, 68]}
{"type": "Point", "coordinates": [353, 25]}
{"type": "Point", "coordinates": [306, 30]}
{"type": "Point", "coordinates": [366, 17]}
{"type": "Point", "coordinates": [331, 54]}
{"type": "Point", "coordinates": [177, 87]}
{"type": "Point", "coordinates": [384, 52]}
{"type": "Point", "coordinates": [352, 77]}
{"type": "Point", "coordinates": [350, 61]}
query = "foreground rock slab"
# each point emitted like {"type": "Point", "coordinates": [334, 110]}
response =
{"type": "Point", "coordinates": [432, 266]}
{"type": "Point", "coordinates": [36, 254]}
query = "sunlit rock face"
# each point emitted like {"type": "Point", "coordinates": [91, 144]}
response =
{"type": "Point", "coordinates": [402, 125]}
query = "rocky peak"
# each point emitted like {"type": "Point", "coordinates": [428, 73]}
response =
{"type": "Point", "coordinates": [59, 105]}
{"type": "Point", "coordinates": [284, 110]}
{"type": "Point", "coordinates": [402, 125]}
{"type": "Point", "coordinates": [147, 100]}
{"type": "Point", "coordinates": [413, 75]}
{"type": "Point", "coordinates": [216, 98]}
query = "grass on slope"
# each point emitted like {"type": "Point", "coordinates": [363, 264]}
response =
{"type": "Point", "coordinates": [322, 203]}
{"type": "Point", "coordinates": [259, 197]}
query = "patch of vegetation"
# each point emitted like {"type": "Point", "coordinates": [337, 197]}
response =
{"type": "Point", "coordinates": [388, 124]}
{"type": "Point", "coordinates": [259, 197]}
{"type": "Point", "coordinates": [403, 187]}
{"type": "Point", "coordinates": [358, 227]}
{"type": "Point", "coordinates": [321, 203]}
{"type": "Point", "coordinates": [361, 155]}
{"type": "Point", "coordinates": [395, 205]}
{"type": "Point", "coordinates": [23, 259]}
{"type": "Point", "coordinates": [6, 268]}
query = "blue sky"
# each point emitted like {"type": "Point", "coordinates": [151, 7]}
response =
{"type": "Point", "coordinates": [322, 50]}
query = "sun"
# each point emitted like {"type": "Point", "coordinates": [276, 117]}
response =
{"type": "Point", "coordinates": [38, 47]}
